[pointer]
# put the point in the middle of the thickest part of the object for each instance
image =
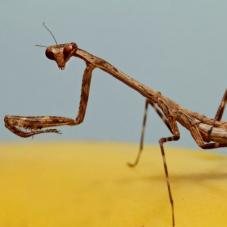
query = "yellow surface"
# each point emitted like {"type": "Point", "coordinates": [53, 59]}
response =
{"type": "Point", "coordinates": [89, 185]}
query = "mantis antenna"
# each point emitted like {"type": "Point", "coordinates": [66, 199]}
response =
{"type": "Point", "coordinates": [51, 33]}
{"type": "Point", "coordinates": [38, 45]}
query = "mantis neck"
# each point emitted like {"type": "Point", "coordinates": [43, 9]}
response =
{"type": "Point", "coordinates": [144, 90]}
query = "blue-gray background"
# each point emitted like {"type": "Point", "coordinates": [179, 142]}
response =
{"type": "Point", "coordinates": [176, 46]}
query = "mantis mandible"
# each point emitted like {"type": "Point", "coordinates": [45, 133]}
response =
{"type": "Point", "coordinates": [207, 132]}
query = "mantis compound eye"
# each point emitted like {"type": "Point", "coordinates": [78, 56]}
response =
{"type": "Point", "coordinates": [69, 50]}
{"type": "Point", "coordinates": [49, 54]}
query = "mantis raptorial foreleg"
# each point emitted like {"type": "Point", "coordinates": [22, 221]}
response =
{"type": "Point", "coordinates": [36, 123]}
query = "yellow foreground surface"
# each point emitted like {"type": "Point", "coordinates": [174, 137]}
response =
{"type": "Point", "coordinates": [89, 185]}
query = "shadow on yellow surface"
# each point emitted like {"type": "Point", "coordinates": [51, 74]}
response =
{"type": "Point", "coordinates": [89, 185]}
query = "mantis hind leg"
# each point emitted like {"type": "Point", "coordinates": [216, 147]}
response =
{"type": "Point", "coordinates": [221, 107]}
{"type": "Point", "coordinates": [196, 135]}
{"type": "Point", "coordinates": [220, 111]}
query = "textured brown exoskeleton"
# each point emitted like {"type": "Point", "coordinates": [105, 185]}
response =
{"type": "Point", "coordinates": [208, 133]}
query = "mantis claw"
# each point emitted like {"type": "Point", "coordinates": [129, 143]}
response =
{"type": "Point", "coordinates": [25, 127]}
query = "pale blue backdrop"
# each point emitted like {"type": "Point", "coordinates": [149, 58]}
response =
{"type": "Point", "coordinates": [176, 46]}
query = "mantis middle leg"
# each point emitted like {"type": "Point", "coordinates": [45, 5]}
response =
{"type": "Point", "coordinates": [160, 114]}
{"type": "Point", "coordinates": [172, 126]}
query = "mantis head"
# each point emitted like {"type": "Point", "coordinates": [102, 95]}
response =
{"type": "Point", "coordinates": [61, 53]}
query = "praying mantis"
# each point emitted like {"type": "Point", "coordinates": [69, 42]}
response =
{"type": "Point", "coordinates": [207, 132]}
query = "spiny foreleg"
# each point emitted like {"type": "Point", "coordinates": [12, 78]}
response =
{"type": "Point", "coordinates": [26, 126]}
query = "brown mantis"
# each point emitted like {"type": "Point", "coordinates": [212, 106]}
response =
{"type": "Point", "coordinates": [208, 133]}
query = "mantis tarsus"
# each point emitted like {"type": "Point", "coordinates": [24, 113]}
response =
{"type": "Point", "coordinates": [208, 133]}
